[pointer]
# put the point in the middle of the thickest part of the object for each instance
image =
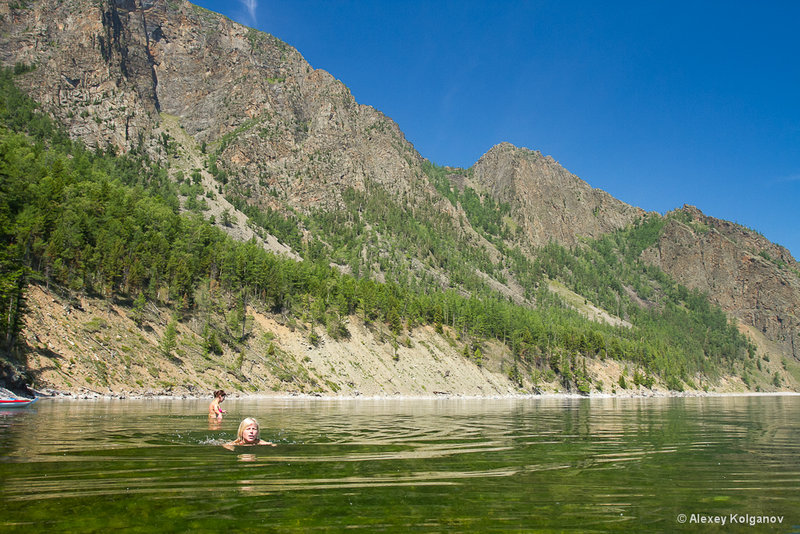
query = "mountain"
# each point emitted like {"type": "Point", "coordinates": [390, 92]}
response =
{"type": "Point", "coordinates": [547, 201]}
{"type": "Point", "coordinates": [249, 137]}
{"type": "Point", "coordinates": [752, 279]}
{"type": "Point", "coordinates": [109, 70]}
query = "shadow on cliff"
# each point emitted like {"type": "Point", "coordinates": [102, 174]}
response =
{"type": "Point", "coordinates": [15, 374]}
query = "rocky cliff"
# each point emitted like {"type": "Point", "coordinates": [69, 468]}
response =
{"type": "Point", "coordinates": [754, 280]}
{"type": "Point", "coordinates": [548, 202]}
{"type": "Point", "coordinates": [282, 131]}
{"type": "Point", "coordinates": [94, 70]}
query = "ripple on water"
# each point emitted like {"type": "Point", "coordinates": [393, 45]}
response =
{"type": "Point", "coordinates": [523, 464]}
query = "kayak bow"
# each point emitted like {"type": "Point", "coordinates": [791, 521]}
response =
{"type": "Point", "coordinates": [17, 403]}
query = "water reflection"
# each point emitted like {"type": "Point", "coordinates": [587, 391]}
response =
{"type": "Point", "coordinates": [215, 423]}
{"type": "Point", "coordinates": [404, 465]}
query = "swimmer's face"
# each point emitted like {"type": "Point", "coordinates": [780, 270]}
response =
{"type": "Point", "coordinates": [250, 433]}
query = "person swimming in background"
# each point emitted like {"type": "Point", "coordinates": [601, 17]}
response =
{"type": "Point", "coordinates": [214, 409]}
{"type": "Point", "coordinates": [249, 433]}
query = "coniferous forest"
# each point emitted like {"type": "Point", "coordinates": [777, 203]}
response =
{"type": "Point", "coordinates": [81, 221]}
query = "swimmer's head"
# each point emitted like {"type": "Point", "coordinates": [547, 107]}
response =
{"type": "Point", "coordinates": [249, 431]}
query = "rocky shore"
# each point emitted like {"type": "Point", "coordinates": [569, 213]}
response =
{"type": "Point", "coordinates": [628, 394]}
{"type": "Point", "coordinates": [94, 350]}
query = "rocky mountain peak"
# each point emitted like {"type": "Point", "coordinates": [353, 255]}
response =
{"type": "Point", "coordinates": [286, 133]}
{"type": "Point", "coordinates": [549, 202]}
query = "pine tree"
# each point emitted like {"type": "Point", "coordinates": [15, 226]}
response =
{"type": "Point", "coordinates": [137, 312]}
{"type": "Point", "coordinates": [169, 341]}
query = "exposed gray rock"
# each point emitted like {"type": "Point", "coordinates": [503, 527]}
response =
{"type": "Point", "coordinates": [548, 201]}
{"type": "Point", "coordinates": [753, 280]}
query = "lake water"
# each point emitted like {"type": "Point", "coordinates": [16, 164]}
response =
{"type": "Point", "coordinates": [441, 465]}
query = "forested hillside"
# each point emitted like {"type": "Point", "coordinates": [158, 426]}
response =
{"type": "Point", "coordinates": [119, 227]}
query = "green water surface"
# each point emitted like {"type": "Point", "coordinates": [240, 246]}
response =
{"type": "Point", "coordinates": [439, 465]}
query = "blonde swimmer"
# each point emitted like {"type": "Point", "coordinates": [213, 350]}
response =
{"type": "Point", "coordinates": [249, 433]}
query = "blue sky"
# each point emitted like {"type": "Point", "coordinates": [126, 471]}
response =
{"type": "Point", "coordinates": [659, 103]}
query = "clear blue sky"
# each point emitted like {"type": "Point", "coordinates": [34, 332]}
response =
{"type": "Point", "coordinates": [660, 103]}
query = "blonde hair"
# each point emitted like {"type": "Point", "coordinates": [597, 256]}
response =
{"type": "Point", "coordinates": [244, 424]}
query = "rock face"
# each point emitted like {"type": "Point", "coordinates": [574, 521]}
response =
{"type": "Point", "coordinates": [93, 69]}
{"type": "Point", "coordinates": [751, 278]}
{"type": "Point", "coordinates": [548, 201]}
{"type": "Point", "coordinates": [279, 128]}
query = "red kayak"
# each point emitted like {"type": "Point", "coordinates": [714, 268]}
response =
{"type": "Point", "coordinates": [16, 403]}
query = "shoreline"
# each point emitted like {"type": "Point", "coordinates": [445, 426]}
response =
{"type": "Point", "coordinates": [648, 394]}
